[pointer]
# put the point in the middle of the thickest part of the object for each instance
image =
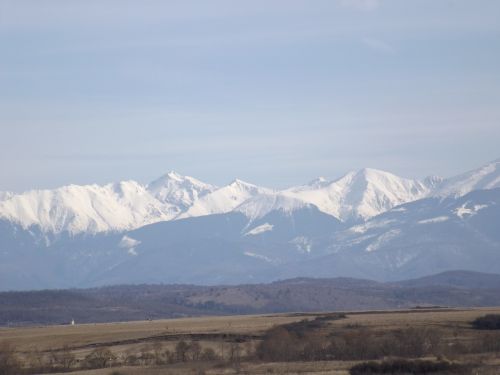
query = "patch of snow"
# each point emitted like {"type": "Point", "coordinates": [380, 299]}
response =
{"type": "Point", "coordinates": [132, 251]}
{"type": "Point", "coordinates": [303, 244]}
{"type": "Point", "coordinates": [260, 229]}
{"type": "Point", "coordinates": [463, 210]}
{"type": "Point", "coordinates": [383, 239]}
{"type": "Point", "coordinates": [258, 256]}
{"type": "Point", "coordinates": [130, 244]}
{"type": "Point", "coordinates": [438, 219]}
{"type": "Point", "coordinates": [398, 209]}
{"type": "Point", "coordinates": [363, 228]}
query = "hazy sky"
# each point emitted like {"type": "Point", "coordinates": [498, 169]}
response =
{"type": "Point", "coordinates": [273, 92]}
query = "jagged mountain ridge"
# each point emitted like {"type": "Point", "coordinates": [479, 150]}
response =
{"type": "Point", "coordinates": [276, 242]}
{"type": "Point", "coordinates": [483, 178]}
{"type": "Point", "coordinates": [126, 205]}
{"type": "Point", "coordinates": [362, 194]}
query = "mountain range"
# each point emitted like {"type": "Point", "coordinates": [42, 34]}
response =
{"type": "Point", "coordinates": [367, 224]}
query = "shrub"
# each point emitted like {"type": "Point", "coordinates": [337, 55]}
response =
{"type": "Point", "coordinates": [131, 359]}
{"type": "Point", "coordinates": [403, 366]}
{"type": "Point", "coordinates": [490, 321]}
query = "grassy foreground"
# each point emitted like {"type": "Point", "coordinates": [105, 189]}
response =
{"type": "Point", "coordinates": [322, 343]}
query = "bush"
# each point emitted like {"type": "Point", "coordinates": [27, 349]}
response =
{"type": "Point", "coordinates": [63, 359]}
{"type": "Point", "coordinates": [296, 343]}
{"type": "Point", "coordinates": [208, 354]}
{"type": "Point", "coordinates": [402, 366]}
{"type": "Point", "coordinates": [99, 358]}
{"type": "Point", "coordinates": [279, 345]}
{"type": "Point", "coordinates": [490, 321]}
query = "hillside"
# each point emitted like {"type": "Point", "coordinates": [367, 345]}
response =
{"type": "Point", "coordinates": [140, 302]}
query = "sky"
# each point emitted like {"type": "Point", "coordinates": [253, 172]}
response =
{"type": "Point", "coordinates": [275, 92]}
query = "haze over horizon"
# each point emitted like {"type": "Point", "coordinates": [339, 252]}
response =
{"type": "Point", "coordinates": [274, 93]}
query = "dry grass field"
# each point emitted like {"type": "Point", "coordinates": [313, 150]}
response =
{"type": "Point", "coordinates": [234, 343]}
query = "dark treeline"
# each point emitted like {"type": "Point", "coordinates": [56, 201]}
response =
{"type": "Point", "coordinates": [140, 302]}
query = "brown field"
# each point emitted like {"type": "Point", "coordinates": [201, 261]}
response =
{"type": "Point", "coordinates": [223, 334]}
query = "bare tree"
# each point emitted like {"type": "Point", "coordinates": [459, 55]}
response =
{"type": "Point", "coordinates": [100, 358]}
{"type": "Point", "coordinates": [194, 350]}
{"type": "Point", "coordinates": [181, 350]}
{"type": "Point", "coordinates": [62, 359]}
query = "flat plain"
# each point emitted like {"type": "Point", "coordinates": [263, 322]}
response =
{"type": "Point", "coordinates": [234, 340]}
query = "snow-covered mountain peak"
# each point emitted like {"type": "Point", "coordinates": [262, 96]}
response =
{"type": "Point", "coordinates": [372, 175]}
{"type": "Point", "coordinates": [358, 195]}
{"type": "Point", "coordinates": [370, 192]}
{"type": "Point", "coordinates": [240, 184]}
{"type": "Point", "coordinates": [318, 182]}
{"type": "Point", "coordinates": [179, 190]}
{"type": "Point", "coordinates": [86, 209]}
{"type": "Point", "coordinates": [224, 199]}
{"type": "Point", "coordinates": [484, 177]}
{"type": "Point", "coordinates": [172, 175]}
{"type": "Point", "coordinates": [361, 194]}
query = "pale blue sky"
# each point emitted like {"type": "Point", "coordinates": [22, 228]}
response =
{"type": "Point", "coordinates": [273, 92]}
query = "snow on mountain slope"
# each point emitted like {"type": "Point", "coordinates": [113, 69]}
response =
{"type": "Point", "coordinates": [224, 199]}
{"type": "Point", "coordinates": [483, 178]}
{"type": "Point", "coordinates": [429, 235]}
{"type": "Point", "coordinates": [178, 190]}
{"type": "Point", "coordinates": [362, 194]}
{"type": "Point", "coordinates": [260, 205]}
{"type": "Point", "coordinates": [126, 205]}
{"type": "Point", "coordinates": [112, 207]}
{"type": "Point", "coordinates": [5, 195]}
{"type": "Point", "coordinates": [90, 208]}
